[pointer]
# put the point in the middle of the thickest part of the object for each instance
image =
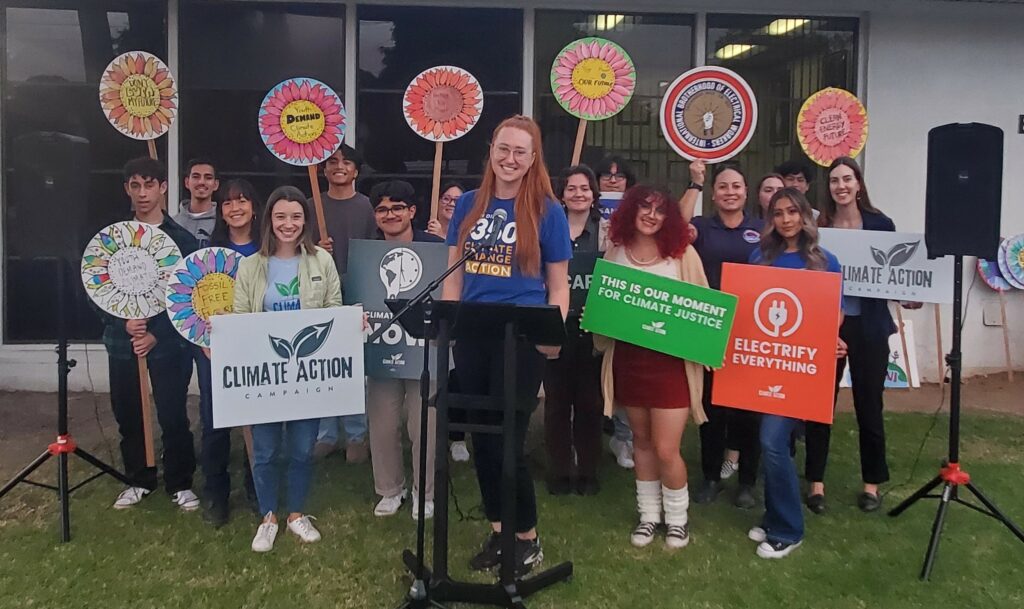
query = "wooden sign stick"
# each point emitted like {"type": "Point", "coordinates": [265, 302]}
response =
{"type": "Point", "coordinates": [903, 345]}
{"type": "Point", "coordinates": [318, 203]}
{"type": "Point", "coordinates": [147, 411]}
{"type": "Point", "coordinates": [577, 149]}
{"type": "Point", "coordinates": [938, 344]}
{"type": "Point", "coordinates": [152, 149]}
{"type": "Point", "coordinates": [435, 188]}
{"type": "Point", "coordinates": [1006, 336]}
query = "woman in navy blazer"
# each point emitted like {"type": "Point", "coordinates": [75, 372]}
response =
{"type": "Point", "coordinates": [866, 329]}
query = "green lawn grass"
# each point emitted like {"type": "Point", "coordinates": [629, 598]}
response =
{"type": "Point", "coordinates": [154, 556]}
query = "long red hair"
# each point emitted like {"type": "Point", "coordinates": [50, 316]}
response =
{"type": "Point", "coordinates": [530, 200]}
{"type": "Point", "coordinates": [672, 238]}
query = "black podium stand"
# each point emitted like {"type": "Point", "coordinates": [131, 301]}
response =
{"type": "Point", "coordinates": [505, 324]}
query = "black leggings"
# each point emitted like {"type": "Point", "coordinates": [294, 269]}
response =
{"type": "Point", "coordinates": [480, 368]}
{"type": "Point", "coordinates": [869, 360]}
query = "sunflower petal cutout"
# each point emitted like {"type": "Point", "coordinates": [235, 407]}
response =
{"type": "Point", "coordinates": [201, 285]}
{"type": "Point", "coordinates": [832, 123]}
{"type": "Point", "coordinates": [138, 95]}
{"type": "Point", "coordinates": [443, 103]}
{"type": "Point", "coordinates": [302, 121]}
{"type": "Point", "coordinates": [125, 268]}
{"type": "Point", "coordinates": [593, 78]}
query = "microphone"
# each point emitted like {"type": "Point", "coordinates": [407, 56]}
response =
{"type": "Point", "coordinates": [497, 224]}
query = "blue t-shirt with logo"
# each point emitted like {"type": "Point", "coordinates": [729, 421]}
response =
{"type": "Point", "coordinates": [282, 284]}
{"type": "Point", "coordinates": [245, 249]}
{"type": "Point", "coordinates": [717, 243]}
{"type": "Point", "coordinates": [494, 276]}
{"type": "Point", "coordinates": [793, 260]}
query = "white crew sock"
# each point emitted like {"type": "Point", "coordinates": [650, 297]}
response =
{"type": "Point", "coordinates": [648, 500]}
{"type": "Point", "coordinates": [677, 505]}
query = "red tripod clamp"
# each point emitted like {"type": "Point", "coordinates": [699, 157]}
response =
{"type": "Point", "coordinates": [64, 444]}
{"type": "Point", "coordinates": [952, 474]}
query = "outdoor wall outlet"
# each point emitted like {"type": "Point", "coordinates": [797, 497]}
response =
{"type": "Point", "coordinates": [990, 315]}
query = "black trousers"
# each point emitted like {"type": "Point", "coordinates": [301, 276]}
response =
{"type": "Point", "coordinates": [480, 368]}
{"type": "Point", "coordinates": [743, 429]}
{"type": "Point", "coordinates": [169, 395]}
{"type": "Point", "coordinates": [216, 443]}
{"type": "Point", "coordinates": [573, 409]}
{"type": "Point", "coordinates": [869, 360]}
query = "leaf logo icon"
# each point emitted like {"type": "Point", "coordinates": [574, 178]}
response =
{"type": "Point", "coordinates": [902, 252]}
{"type": "Point", "coordinates": [775, 388]}
{"type": "Point", "coordinates": [281, 347]}
{"type": "Point", "coordinates": [879, 256]}
{"type": "Point", "coordinates": [658, 324]}
{"type": "Point", "coordinates": [309, 339]}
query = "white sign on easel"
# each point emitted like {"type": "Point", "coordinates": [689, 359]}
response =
{"type": "Point", "coordinates": [287, 366]}
{"type": "Point", "coordinates": [896, 374]}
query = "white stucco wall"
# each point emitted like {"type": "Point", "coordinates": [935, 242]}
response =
{"type": "Point", "coordinates": [929, 64]}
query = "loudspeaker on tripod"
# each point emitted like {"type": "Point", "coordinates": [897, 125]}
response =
{"type": "Point", "coordinates": [964, 190]}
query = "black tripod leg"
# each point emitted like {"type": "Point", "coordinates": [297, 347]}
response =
{"type": "Point", "coordinates": [918, 495]}
{"type": "Point", "coordinates": [100, 465]}
{"type": "Point", "coordinates": [1001, 517]}
{"type": "Point", "coordinates": [63, 497]}
{"type": "Point", "coordinates": [933, 544]}
{"type": "Point", "coordinates": [25, 473]}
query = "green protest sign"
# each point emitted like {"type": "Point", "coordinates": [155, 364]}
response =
{"type": "Point", "coordinates": [661, 314]}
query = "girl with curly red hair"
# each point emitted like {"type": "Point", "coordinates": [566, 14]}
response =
{"type": "Point", "coordinates": [648, 233]}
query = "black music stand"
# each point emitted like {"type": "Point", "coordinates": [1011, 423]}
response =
{"type": "Point", "coordinates": [538, 324]}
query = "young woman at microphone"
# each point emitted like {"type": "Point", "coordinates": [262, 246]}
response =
{"type": "Point", "coordinates": [527, 265]}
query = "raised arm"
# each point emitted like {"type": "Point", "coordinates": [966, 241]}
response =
{"type": "Point", "coordinates": [688, 202]}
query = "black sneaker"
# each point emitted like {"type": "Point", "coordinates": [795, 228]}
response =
{"type": "Point", "coordinates": [587, 486]}
{"type": "Point", "coordinates": [528, 555]}
{"type": "Point", "coordinates": [559, 485]}
{"type": "Point", "coordinates": [869, 502]}
{"type": "Point", "coordinates": [489, 555]}
{"type": "Point", "coordinates": [216, 513]}
{"type": "Point", "coordinates": [708, 491]}
{"type": "Point", "coordinates": [816, 503]}
{"type": "Point", "coordinates": [745, 497]}
{"type": "Point", "coordinates": [775, 549]}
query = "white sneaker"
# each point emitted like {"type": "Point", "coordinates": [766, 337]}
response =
{"type": "Point", "coordinates": [428, 509]}
{"type": "Point", "coordinates": [304, 529]}
{"type": "Point", "coordinates": [677, 536]}
{"type": "Point", "coordinates": [129, 497]}
{"type": "Point", "coordinates": [776, 549]}
{"type": "Point", "coordinates": [729, 468]}
{"type": "Point", "coordinates": [757, 534]}
{"type": "Point", "coordinates": [265, 536]}
{"type": "Point", "coordinates": [623, 452]}
{"type": "Point", "coordinates": [186, 500]}
{"type": "Point", "coordinates": [459, 452]}
{"type": "Point", "coordinates": [389, 506]}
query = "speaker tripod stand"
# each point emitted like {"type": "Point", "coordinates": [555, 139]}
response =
{"type": "Point", "coordinates": [65, 444]}
{"type": "Point", "coordinates": [951, 476]}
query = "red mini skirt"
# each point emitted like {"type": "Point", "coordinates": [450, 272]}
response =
{"type": "Point", "coordinates": [648, 379]}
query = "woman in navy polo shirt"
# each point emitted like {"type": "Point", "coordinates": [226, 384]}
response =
{"type": "Point", "coordinates": [529, 265]}
{"type": "Point", "coordinates": [730, 235]}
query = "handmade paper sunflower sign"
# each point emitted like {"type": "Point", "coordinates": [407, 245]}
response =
{"type": "Point", "coordinates": [302, 122]}
{"type": "Point", "coordinates": [442, 104]}
{"type": "Point", "coordinates": [202, 285]}
{"type": "Point", "coordinates": [593, 79]}
{"type": "Point", "coordinates": [125, 269]}
{"type": "Point", "coordinates": [139, 97]}
{"type": "Point", "coordinates": [832, 123]}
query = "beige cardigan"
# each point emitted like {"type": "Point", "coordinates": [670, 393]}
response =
{"type": "Point", "coordinates": [691, 270]}
{"type": "Point", "coordinates": [319, 284]}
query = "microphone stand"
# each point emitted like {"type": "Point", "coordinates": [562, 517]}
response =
{"type": "Point", "coordinates": [419, 593]}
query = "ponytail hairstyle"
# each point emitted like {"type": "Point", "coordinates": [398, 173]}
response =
{"type": "Point", "coordinates": [530, 200]}
{"type": "Point", "coordinates": [863, 200]}
{"type": "Point", "coordinates": [773, 244]}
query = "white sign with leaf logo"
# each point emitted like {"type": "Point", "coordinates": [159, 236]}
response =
{"type": "Point", "coordinates": [888, 265]}
{"type": "Point", "coordinates": [287, 366]}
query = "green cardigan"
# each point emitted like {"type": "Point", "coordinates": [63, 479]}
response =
{"type": "Point", "coordinates": [319, 283]}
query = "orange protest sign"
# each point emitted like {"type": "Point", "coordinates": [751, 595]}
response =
{"type": "Point", "coordinates": [781, 357]}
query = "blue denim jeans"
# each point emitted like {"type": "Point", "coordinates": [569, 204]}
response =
{"type": "Point", "coordinates": [355, 428]}
{"type": "Point", "coordinates": [783, 515]}
{"type": "Point", "coordinates": [266, 447]}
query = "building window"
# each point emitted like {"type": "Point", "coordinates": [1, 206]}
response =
{"type": "Point", "coordinates": [396, 44]}
{"type": "Point", "coordinates": [232, 53]}
{"type": "Point", "coordinates": [785, 59]}
{"type": "Point", "coordinates": [661, 47]}
{"type": "Point", "coordinates": [61, 158]}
